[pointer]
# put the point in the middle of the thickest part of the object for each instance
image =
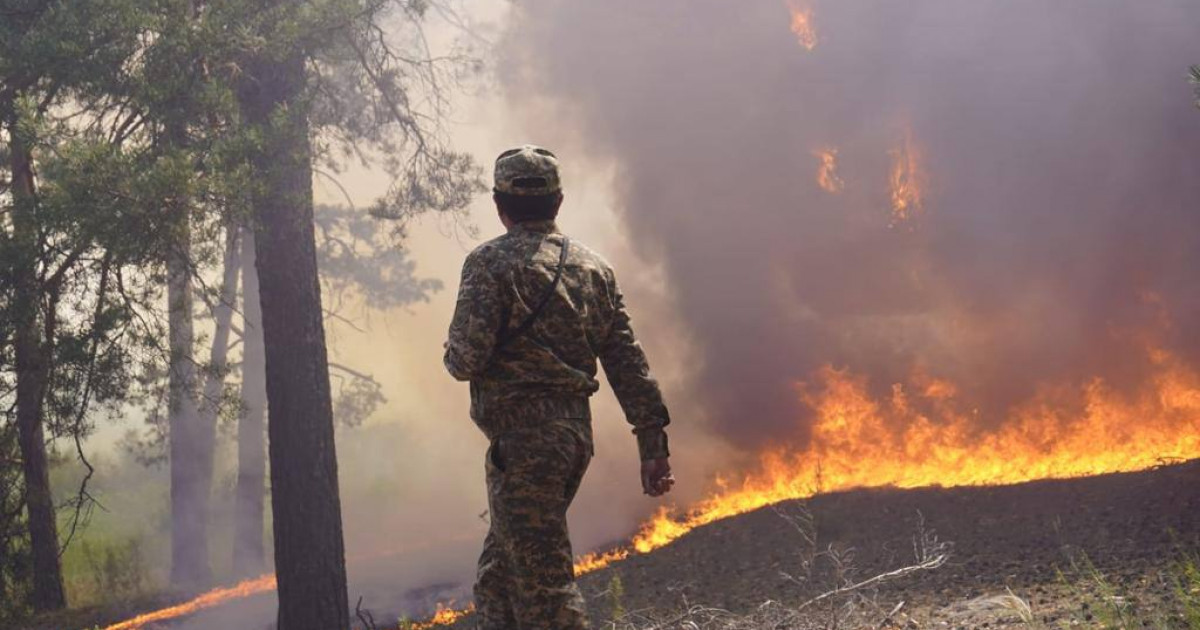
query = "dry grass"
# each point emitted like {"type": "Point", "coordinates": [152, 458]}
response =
{"type": "Point", "coordinates": [832, 596]}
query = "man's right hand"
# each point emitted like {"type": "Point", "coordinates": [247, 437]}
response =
{"type": "Point", "coordinates": [656, 477]}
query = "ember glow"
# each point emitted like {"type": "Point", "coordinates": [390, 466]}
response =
{"type": "Point", "coordinates": [827, 174]}
{"type": "Point", "coordinates": [215, 597]}
{"type": "Point", "coordinates": [907, 182]}
{"type": "Point", "coordinates": [802, 24]}
{"type": "Point", "coordinates": [444, 617]}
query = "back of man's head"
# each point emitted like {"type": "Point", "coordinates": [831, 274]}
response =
{"type": "Point", "coordinates": [527, 184]}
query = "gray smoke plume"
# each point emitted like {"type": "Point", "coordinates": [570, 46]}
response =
{"type": "Point", "coordinates": [1058, 148]}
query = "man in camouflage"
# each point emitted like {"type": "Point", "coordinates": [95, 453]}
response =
{"type": "Point", "coordinates": [535, 311]}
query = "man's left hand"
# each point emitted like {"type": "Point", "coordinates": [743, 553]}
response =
{"type": "Point", "coordinates": [657, 479]}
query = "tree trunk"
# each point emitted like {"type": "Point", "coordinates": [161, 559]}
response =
{"type": "Point", "coordinates": [218, 357]}
{"type": "Point", "coordinates": [191, 443]}
{"type": "Point", "coordinates": [32, 364]}
{"type": "Point", "coordinates": [248, 555]}
{"type": "Point", "coordinates": [192, 433]}
{"type": "Point", "coordinates": [218, 362]}
{"type": "Point", "coordinates": [309, 554]}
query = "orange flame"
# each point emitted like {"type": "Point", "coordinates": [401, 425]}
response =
{"type": "Point", "coordinates": [827, 175]}
{"type": "Point", "coordinates": [802, 24]}
{"type": "Point", "coordinates": [917, 437]}
{"type": "Point", "coordinates": [444, 617]}
{"type": "Point", "coordinates": [907, 182]}
{"type": "Point", "coordinates": [215, 597]}
{"type": "Point", "coordinates": [583, 565]}
{"type": "Point", "coordinates": [598, 560]}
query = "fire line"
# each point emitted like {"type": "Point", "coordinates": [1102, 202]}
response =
{"type": "Point", "coordinates": [213, 598]}
{"type": "Point", "coordinates": [922, 434]}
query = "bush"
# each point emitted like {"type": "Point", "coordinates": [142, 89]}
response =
{"type": "Point", "coordinates": [117, 570]}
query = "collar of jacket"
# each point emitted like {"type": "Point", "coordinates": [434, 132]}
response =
{"type": "Point", "coordinates": [538, 227]}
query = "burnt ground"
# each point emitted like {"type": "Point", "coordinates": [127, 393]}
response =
{"type": "Point", "coordinates": [1037, 539]}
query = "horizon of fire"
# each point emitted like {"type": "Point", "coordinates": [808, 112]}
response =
{"type": "Point", "coordinates": [918, 436]}
{"type": "Point", "coordinates": [923, 433]}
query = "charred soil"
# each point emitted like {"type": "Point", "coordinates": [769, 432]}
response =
{"type": "Point", "coordinates": [1076, 551]}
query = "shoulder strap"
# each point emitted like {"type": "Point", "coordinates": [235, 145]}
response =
{"type": "Point", "coordinates": [507, 336]}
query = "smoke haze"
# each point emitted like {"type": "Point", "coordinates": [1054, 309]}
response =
{"type": "Point", "coordinates": [1053, 147]}
{"type": "Point", "coordinates": [1050, 160]}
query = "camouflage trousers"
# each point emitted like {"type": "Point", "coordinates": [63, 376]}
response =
{"type": "Point", "coordinates": [526, 577]}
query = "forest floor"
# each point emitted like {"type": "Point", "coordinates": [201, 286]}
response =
{"type": "Point", "coordinates": [1077, 552]}
{"type": "Point", "coordinates": [1115, 550]}
{"type": "Point", "coordinates": [1109, 551]}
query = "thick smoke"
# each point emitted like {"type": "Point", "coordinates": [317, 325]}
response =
{"type": "Point", "coordinates": [1060, 160]}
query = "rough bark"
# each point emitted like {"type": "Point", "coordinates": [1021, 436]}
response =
{"type": "Point", "coordinates": [248, 555]}
{"type": "Point", "coordinates": [32, 364]}
{"type": "Point", "coordinates": [191, 443]}
{"type": "Point", "coordinates": [309, 553]}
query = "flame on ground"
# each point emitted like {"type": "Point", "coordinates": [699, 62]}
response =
{"type": "Point", "coordinates": [444, 617]}
{"type": "Point", "coordinates": [215, 597]}
{"type": "Point", "coordinates": [924, 433]}
{"type": "Point", "coordinates": [920, 435]}
{"type": "Point", "coordinates": [827, 175]}
{"type": "Point", "coordinates": [598, 560]}
{"type": "Point", "coordinates": [802, 24]}
{"type": "Point", "coordinates": [906, 182]}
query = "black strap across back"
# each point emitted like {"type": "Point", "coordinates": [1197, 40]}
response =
{"type": "Point", "coordinates": [508, 336]}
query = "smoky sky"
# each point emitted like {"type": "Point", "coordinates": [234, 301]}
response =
{"type": "Point", "coordinates": [1060, 151]}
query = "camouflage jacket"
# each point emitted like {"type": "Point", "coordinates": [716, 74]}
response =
{"type": "Point", "coordinates": [548, 372]}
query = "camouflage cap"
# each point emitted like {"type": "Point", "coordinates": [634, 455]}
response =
{"type": "Point", "coordinates": [527, 170]}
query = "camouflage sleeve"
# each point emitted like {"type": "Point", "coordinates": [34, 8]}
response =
{"type": "Point", "coordinates": [628, 372]}
{"type": "Point", "coordinates": [476, 322]}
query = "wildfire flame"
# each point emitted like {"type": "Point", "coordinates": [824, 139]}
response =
{"type": "Point", "coordinates": [444, 617]}
{"type": "Point", "coordinates": [907, 182]}
{"type": "Point", "coordinates": [918, 437]}
{"type": "Point", "coordinates": [922, 434]}
{"type": "Point", "coordinates": [598, 560]}
{"type": "Point", "coordinates": [215, 597]}
{"type": "Point", "coordinates": [802, 24]}
{"type": "Point", "coordinates": [827, 175]}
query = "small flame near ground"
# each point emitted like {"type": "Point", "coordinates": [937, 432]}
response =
{"type": "Point", "coordinates": [216, 597]}
{"type": "Point", "coordinates": [444, 616]}
{"type": "Point", "coordinates": [924, 433]}
{"type": "Point", "coordinates": [802, 24]}
{"type": "Point", "coordinates": [827, 171]}
{"type": "Point", "coordinates": [907, 182]}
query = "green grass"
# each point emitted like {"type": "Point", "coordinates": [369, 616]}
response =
{"type": "Point", "coordinates": [1102, 602]}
